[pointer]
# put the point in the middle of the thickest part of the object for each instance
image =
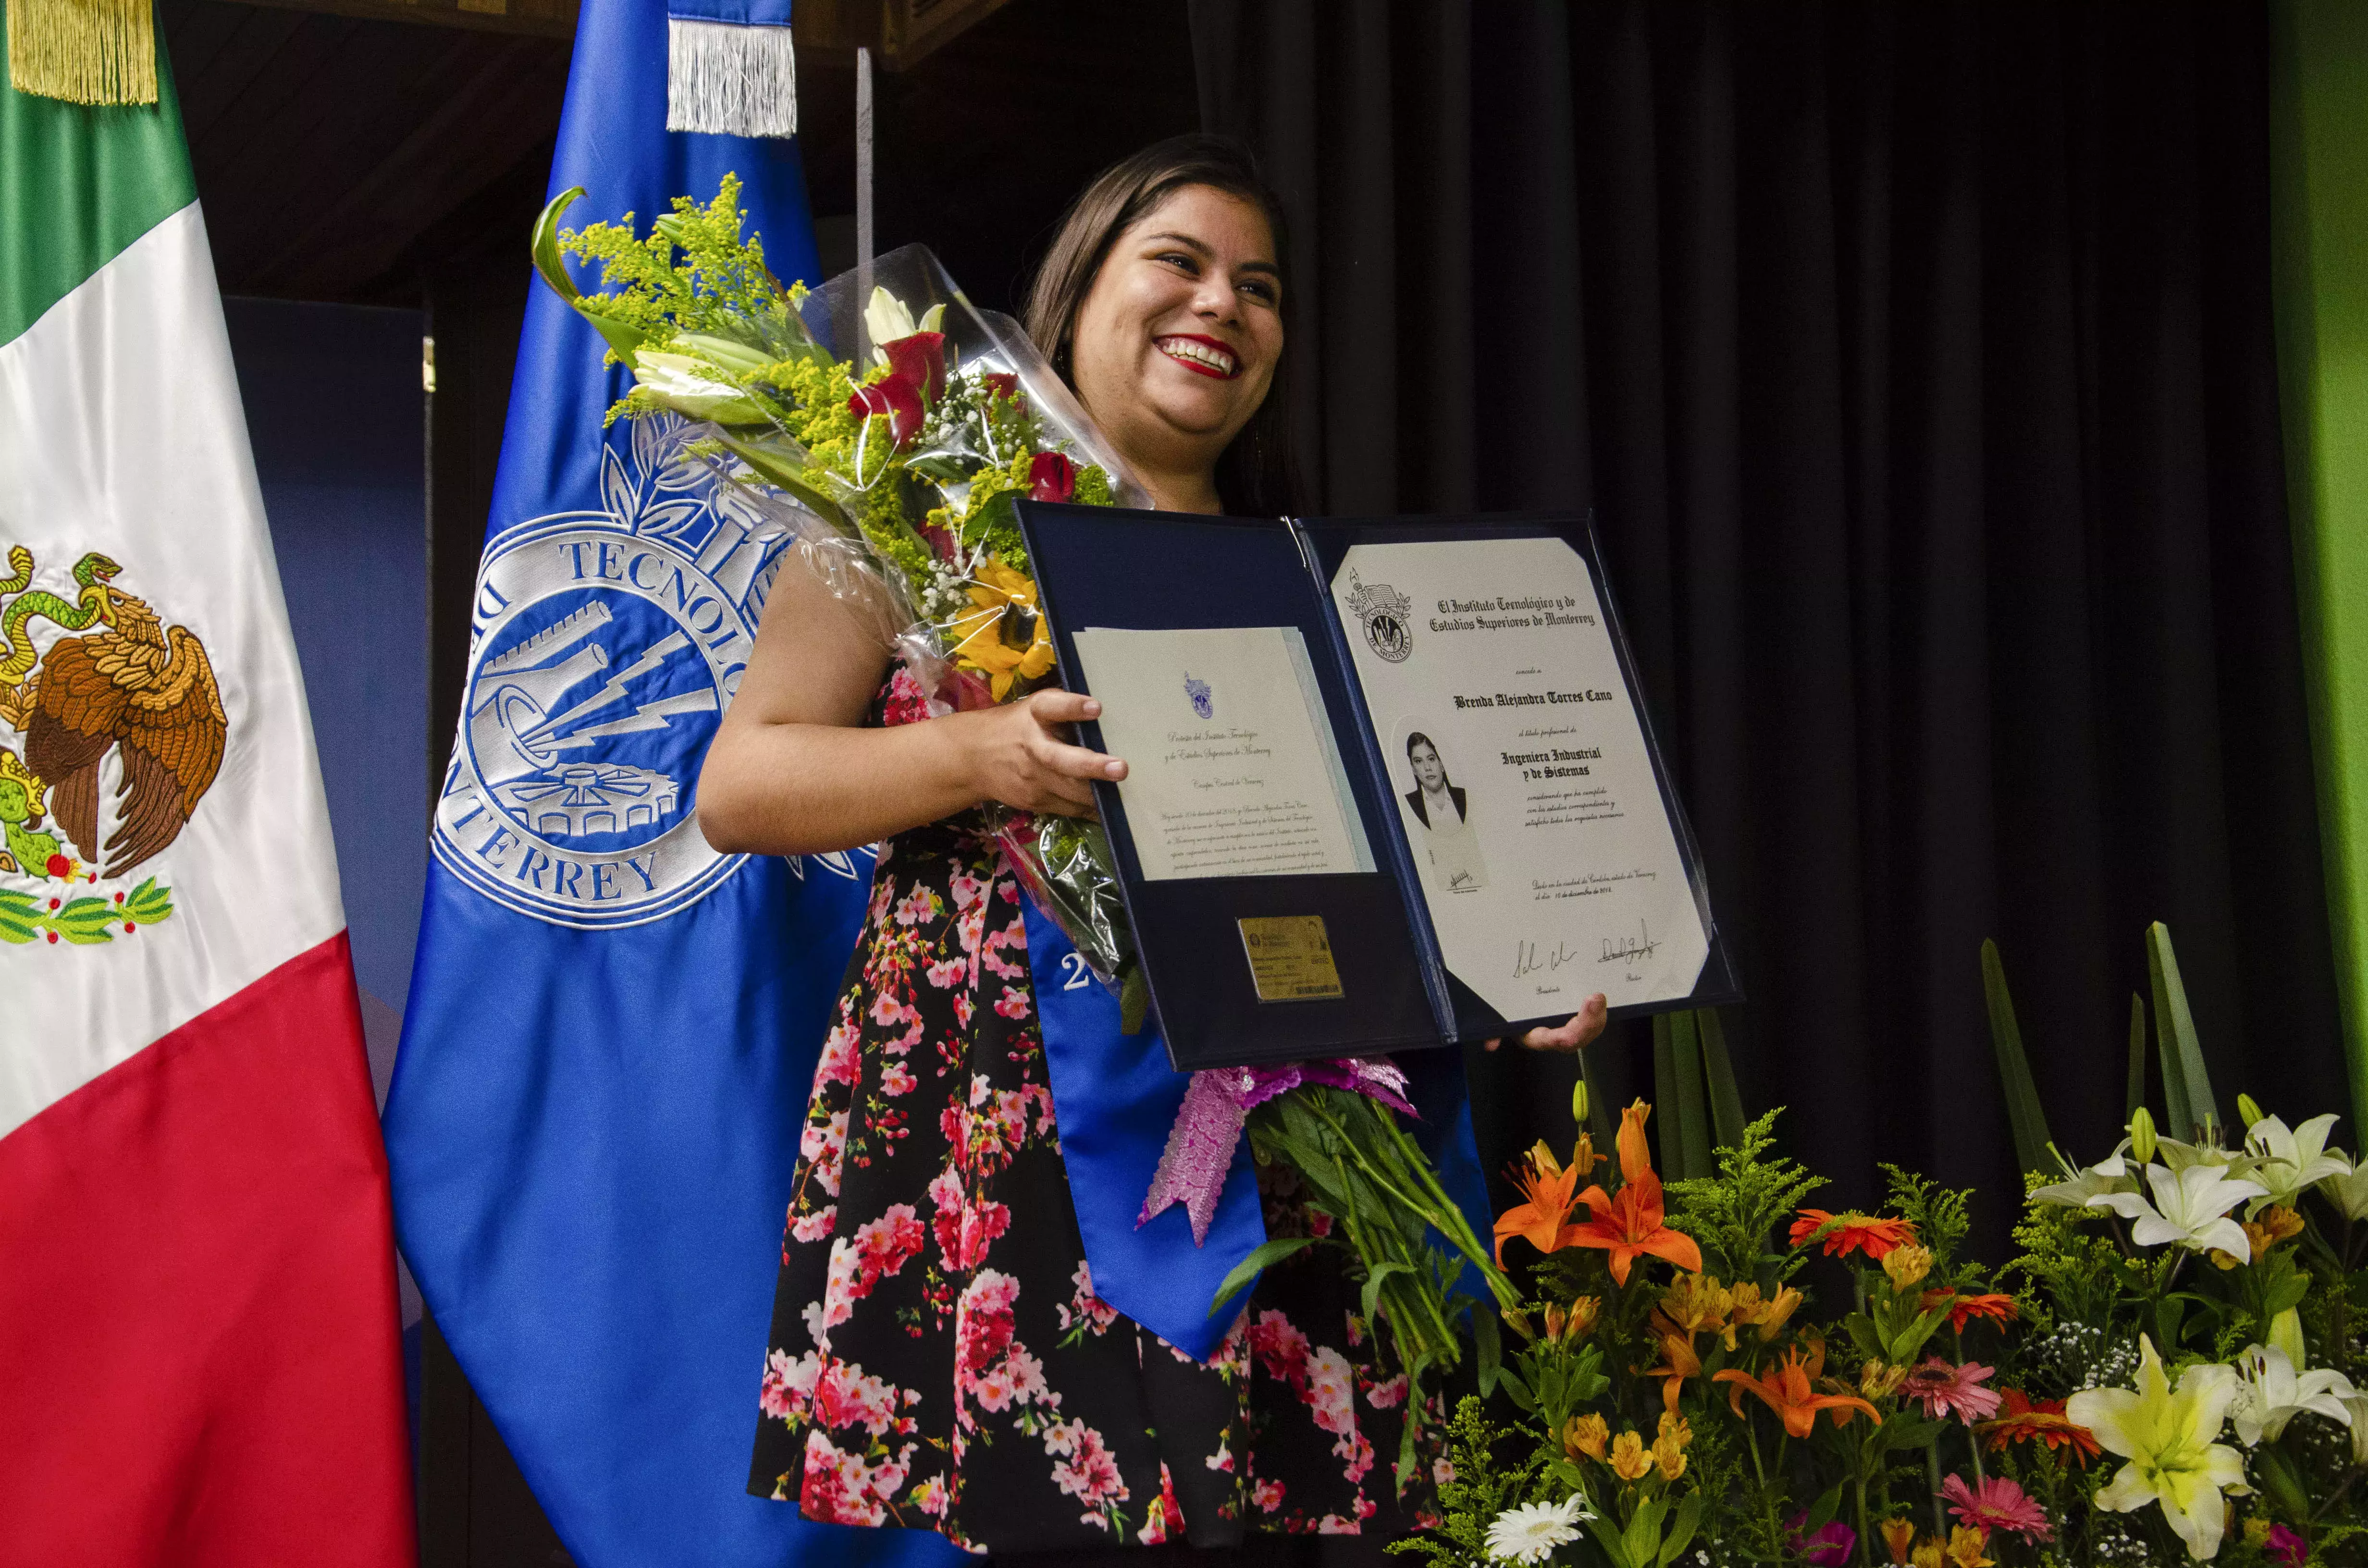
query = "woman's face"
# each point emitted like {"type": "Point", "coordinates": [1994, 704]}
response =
{"type": "Point", "coordinates": [1176, 342]}
{"type": "Point", "coordinates": [1429, 771]}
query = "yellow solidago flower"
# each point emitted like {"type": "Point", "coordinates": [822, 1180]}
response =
{"type": "Point", "coordinates": [1003, 606]}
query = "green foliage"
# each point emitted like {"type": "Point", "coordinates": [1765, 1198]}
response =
{"type": "Point", "coordinates": [1941, 1217]}
{"type": "Point", "coordinates": [2024, 1113]}
{"type": "Point", "coordinates": [1731, 1215]}
{"type": "Point", "coordinates": [2186, 1088]}
{"type": "Point", "coordinates": [1362, 1168]}
{"type": "Point", "coordinates": [720, 285]}
{"type": "Point", "coordinates": [1477, 1491]}
{"type": "Point", "coordinates": [2070, 1269]}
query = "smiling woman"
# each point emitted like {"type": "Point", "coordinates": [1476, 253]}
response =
{"type": "Point", "coordinates": [1161, 301]}
{"type": "Point", "coordinates": [939, 1356]}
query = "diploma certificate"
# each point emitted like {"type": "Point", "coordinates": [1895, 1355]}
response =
{"type": "Point", "coordinates": [1232, 770]}
{"type": "Point", "coordinates": [1521, 773]}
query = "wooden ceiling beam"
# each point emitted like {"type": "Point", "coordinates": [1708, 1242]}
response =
{"type": "Point", "coordinates": [538, 18]}
{"type": "Point", "coordinates": [899, 33]}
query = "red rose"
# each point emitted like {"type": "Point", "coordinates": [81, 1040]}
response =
{"type": "Point", "coordinates": [920, 360]}
{"type": "Point", "coordinates": [1005, 383]}
{"type": "Point", "coordinates": [1054, 477]}
{"type": "Point", "coordinates": [897, 398]}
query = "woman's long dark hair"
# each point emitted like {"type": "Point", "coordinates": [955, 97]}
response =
{"type": "Point", "coordinates": [1257, 473]}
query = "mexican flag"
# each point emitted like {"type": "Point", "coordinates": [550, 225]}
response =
{"type": "Point", "coordinates": [199, 1363]}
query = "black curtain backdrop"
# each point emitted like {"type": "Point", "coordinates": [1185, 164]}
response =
{"type": "Point", "coordinates": [1917, 363]}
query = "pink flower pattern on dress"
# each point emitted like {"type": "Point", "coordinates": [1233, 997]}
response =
{"type": "Point", "coordinates": [936, 1321]}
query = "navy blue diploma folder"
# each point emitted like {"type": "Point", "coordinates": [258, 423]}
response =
{"type": "Point", "coordinates": [1232, 975]}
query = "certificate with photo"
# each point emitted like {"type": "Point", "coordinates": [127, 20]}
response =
{"type": "Point", "coordinates": [1512, 741]}
{"type": "Point", "coordinates": [1389, 780]}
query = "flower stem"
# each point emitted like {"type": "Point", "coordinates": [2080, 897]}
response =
{"type": "Point", "coordinates": [1933, 1469]}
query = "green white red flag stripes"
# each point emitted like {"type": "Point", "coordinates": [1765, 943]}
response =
{"type": "Point", "coordinates": [196, 1281]}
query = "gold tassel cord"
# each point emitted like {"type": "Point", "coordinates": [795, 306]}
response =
{"type": "Point", "coordinates": [84, 51]}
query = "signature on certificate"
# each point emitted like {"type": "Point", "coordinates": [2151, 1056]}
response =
{"type": "Point", "coordinates": [1619, 950]}
{"type": "Point", "coordinates": [1527, 959]}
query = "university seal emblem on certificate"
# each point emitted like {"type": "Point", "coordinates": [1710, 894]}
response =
{"type": "Point", "coordinates": [1386, 617]}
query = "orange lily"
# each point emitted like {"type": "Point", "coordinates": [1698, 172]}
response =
{"type": "Point", "coordinates": [1629, 1222]}
{"type": "Point", "coordinates": [1679, 1362]}
{"type": "Point", "coordinates": [1788, 1389]}
{"type": "Point", "coordinates": [1549, 1187]}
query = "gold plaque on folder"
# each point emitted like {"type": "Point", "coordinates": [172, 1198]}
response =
{"type": "Point", "coordinates": [1291, 958]}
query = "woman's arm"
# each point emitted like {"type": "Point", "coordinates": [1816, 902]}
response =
{"type": "Point", "coordinates": [791, 771]}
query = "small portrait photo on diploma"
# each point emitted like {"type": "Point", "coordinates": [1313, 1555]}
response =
{"type": "Point", "coordinates": [1442, 834]}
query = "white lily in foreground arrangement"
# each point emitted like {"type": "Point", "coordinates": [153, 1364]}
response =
{"type": "Point", "coordinates": [2270, 1392]}
{"type": "Point", "coordinates": [1528, 1534]}
{"type": "Point", "coordinates": [2286, 1160]}
{"type": "Point", "coordinates": [2190, 1207]}
{"type": "Point", "coordinates": [2166, 1437]}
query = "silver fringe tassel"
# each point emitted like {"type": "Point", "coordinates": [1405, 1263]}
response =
{"type": "Point", "coordinates": [725, 79]}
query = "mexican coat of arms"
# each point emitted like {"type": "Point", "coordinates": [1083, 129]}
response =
{"type": "Point", "coordinates": [111, 731]}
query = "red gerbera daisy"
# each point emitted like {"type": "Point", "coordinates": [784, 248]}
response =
{"type": "Point", "coordinates": [1854, 1232]}
{"type": "Point", "coordinates": [2042, 1420]}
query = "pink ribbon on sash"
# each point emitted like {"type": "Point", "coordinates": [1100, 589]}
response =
{"type": "Point", "coordinates": [1216, 1108]}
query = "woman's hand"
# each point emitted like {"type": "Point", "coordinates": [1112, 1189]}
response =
{"type": "Point", "coordinates": [1582, 1027]}
{"type": "Point", "coordinates": [1022, 758]}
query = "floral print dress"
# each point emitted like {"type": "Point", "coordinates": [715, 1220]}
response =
{"type": "Point", "coordinates": [939, 1358]}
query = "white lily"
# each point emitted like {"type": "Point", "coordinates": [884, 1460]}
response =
{"type": "Point", "coordinates": [888, 318]}
{"type": "Point", "coordinates": [682, 384]}
{"type": "Point", "coordinates": [2270, 1393]}
{"type": "Point", "coordinates": [2111, 1173]}
{"type": "Point", "coordinates": [2287, 1161]}
{"type": "Point", "coordinates": [2190, 1207]}
{"type": "Point", "coordinates": [2357, 1403]}
{"type": "Point", "coordinates": [2167, 1435]}
{"type": "Point", "coordinates": [2349, 1192]}
{"type": "Point", "coordinates": [2184, 1156]}
{"type": "Point", "coordinates": [723, 352]}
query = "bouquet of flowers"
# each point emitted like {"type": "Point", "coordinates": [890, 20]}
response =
{"type": "Point", "coordinates": [2160, 1375]}
{"type": "Point", "coordinates": [885, 424]}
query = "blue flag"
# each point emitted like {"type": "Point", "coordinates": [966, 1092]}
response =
{"type": "Point", "coordinates": [613, 1029]}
